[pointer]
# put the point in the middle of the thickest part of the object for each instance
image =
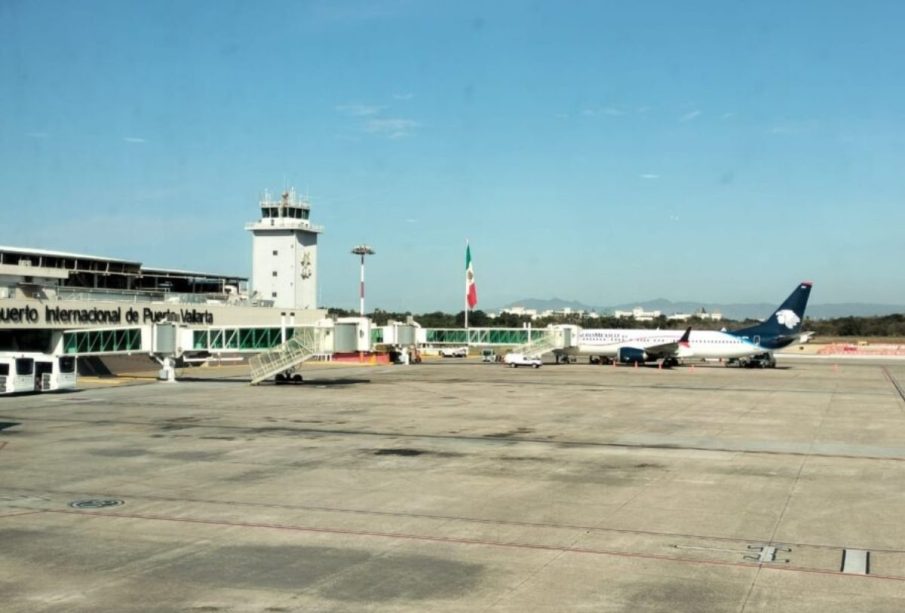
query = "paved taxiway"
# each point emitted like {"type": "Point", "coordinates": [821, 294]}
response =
{"type": "Point", "coordinates": [461, 486]}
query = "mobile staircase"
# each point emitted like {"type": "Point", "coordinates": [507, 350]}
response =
{"type": "Point", "coordinates": [537, 347]}
{"type": "Point", "coordinates": [305, 344]}
{"type": "Point", "coordinates": [555, 338]}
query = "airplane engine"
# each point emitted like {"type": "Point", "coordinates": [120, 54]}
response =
{"type": "Point", "coordinates": [629, 355]}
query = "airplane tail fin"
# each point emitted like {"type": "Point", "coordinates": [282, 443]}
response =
{"type": "Point", "coordinates": [787, 319]}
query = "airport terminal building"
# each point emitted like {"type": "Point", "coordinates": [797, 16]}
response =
{"type": "Point", "coordinates": [58, 302]}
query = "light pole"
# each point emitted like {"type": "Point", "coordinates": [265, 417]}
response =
{"type": "Point", "coordinates": [362, 250]}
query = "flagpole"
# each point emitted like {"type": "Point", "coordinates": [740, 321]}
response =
{"type": "Point", "coordinates": [466, 299]}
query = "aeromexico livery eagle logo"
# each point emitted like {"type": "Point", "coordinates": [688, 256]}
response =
{"type": "Point", "coordinates": [787, 318]}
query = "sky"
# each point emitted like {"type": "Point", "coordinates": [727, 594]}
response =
{"type": "Point", "coordinates": [605, 152]}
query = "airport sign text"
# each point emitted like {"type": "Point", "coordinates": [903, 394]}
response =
{"type": "Point", "coordinates": [95, 316]}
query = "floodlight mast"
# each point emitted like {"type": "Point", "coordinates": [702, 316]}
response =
{"type": "Point", "coordinates": [362, 250]}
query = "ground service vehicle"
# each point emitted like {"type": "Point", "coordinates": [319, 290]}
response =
{"type": "Point", "coordinates": [36, 372]}
{"type": "Point", "coordinates": [514, 360]}
{"type": "Point", "coordinates": [761, 360]}
{"type": "Point", "coordinates": [454, 352]}
{"type": "Point", "coordinates": [17, 373]}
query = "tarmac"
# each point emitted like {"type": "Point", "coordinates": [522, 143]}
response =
{"type": "Point", "coordinates": [460, 486]}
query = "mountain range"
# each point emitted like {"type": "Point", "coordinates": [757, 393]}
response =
{"type": "Point", "coordinates": [732, 311]}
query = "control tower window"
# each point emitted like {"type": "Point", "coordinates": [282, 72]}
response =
{"type": "Point", "coordinates": [274, 273]}
{"type": "Point", "coordinates": [275, 252]}
{"type": "Point", "coordinates": [273, 294]}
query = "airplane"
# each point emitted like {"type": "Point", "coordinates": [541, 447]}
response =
{"type": "Point", "coordinates": [627, 346]}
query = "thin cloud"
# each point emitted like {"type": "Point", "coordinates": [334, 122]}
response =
{"type": "Point", "coordinates": [794, 127]}
{"type": "Point", "coordinates": [691, 116]}
{"type": "Point", "coordinates": [649, 176]}
{"type": "Point", "coordinates": [372, 120]}
{"type": "Point", "coordinates": [727, 115]}
{"type": "Point", "coordinates": [404, 96]}
{"type": "Point", "coordinates": [134, 139]}
{"type": "Point", "coordinates": [391, 127]}
{"type": "Point", "coordinates": [359, 110]}
{"type": "Point", "coordinates": [610, 111]}
{"type": "Point", "coordinates": [411, 220]}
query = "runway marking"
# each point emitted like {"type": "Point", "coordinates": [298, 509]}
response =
{"type": "Point", "coordinates": [21, 514]}
{"type": "Point", "coordinates": [899, 389]}
{"type": "Point", "coordinates": [479, 542]}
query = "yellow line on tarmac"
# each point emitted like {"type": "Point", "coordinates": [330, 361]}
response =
{"type": "Point", "coordinates": [116, 380]}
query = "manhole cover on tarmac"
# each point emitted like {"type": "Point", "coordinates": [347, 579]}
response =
{"type": "Point", "coordinates": [96, 503]}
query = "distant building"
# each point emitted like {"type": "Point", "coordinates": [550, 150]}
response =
{"type": "Point", "coordinates": [702, 315]}
{"type": "Point", "coordinates": [520, 312]}
{"type": "Point", "coordinates": [534, 314]}
{"type": "Point", "coordinates": [638, 314]}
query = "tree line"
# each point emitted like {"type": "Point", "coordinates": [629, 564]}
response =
{"type": "Point", "coordinates": [881, 326]}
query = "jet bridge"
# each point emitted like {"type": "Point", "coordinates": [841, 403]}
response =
{"type": "Point", "coordinates": [280, 348]}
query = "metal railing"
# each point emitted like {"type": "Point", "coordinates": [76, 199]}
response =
{"type": "Point", "coordinates": [537, 347]}
{"type": "Point", "coordinates": [105, 341]}
{"type": "Point", "coordinates": [304, 344]}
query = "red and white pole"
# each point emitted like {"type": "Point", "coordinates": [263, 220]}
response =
{"type": "Point", "coordinates": [362, 287]}
{"type": "Point", "coordinates": [362, 250]}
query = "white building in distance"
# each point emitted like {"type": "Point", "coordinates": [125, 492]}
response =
{"type": "Point", "coordinates": [702, 315]}
{"type": "Point", "coordinates": [638, 313]}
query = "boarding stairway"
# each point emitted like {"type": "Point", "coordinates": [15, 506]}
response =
{"type": "Point", "coordinates": [537, 347]}
{"type": "Point", "coordinates": [305, 344]}
{"type": "Point", "coordinates": [557, 337]}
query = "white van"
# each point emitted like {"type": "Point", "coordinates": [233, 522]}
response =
{"type": "Point", "coordinates": [454, 352]}
{"type": "Point", "coordinates": [514, 360]}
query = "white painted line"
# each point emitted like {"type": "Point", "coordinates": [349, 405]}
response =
{"type": "Point", "coordinates": [855, 561]}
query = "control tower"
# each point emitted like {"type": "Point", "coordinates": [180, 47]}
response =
{"type": "Point", "coordinates": [284, 252]}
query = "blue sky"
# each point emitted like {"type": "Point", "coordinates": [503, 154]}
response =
{"type": "Point", "coordinates": [606, 152]}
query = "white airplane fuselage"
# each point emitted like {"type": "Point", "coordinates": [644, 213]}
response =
{"type": "Point", "coordinates": [701, 344]}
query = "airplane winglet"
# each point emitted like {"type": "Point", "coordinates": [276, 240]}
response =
{"type": "Point", "coordinates": [684, 340]}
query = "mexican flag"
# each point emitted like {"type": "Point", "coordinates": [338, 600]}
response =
{"type": "Point", "coordinates": [471, 290]}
